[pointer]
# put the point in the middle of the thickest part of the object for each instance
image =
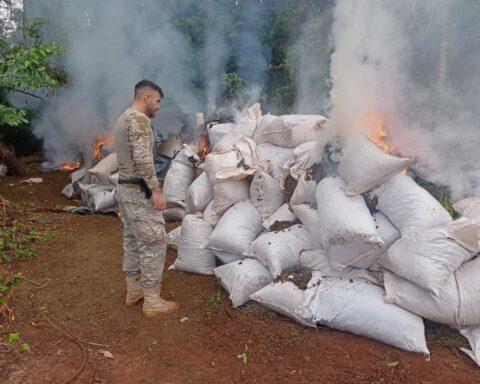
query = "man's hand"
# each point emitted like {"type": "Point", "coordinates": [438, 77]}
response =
{"type": "Point", "coordinates": [158, 200]}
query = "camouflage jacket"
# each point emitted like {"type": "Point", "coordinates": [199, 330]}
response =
{"type": "Point", "coordinates": [133, 142]}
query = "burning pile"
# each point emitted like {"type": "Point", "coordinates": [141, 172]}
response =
{"type": "Point", "coordinates": [275, 208]}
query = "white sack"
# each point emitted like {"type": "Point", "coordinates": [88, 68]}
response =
{"type": "Point", "coordinates": [357, 306]}
{"type": "Point", "coordinates": [365, 166]}
{"type": "Point", "coordinates": [105, 167]}
{"type": "Point", "coordinates": [346, 226]}
{"type": "Point", "coordinates": [385, 229]}
{"type": "Point", "coordinates": [191, 256]}
{"type": "Point", "coordinates": [178, 178]}
{"type": "Point", "coordinates": [199, 194]}
{"type": "Point", "coordinates": [282, 215]}
{"type": "Point", "coordinates": [68, 191]}
{"type": "Point", "coordinates": [208, 214]}
{"type": "Point", "coordinates": [473, 336]}
{"type": "Point", "coordinates": [308, 216]}
{"type": "Point", "coordinates": [430, 257]}
{"type": "Point", "coordinates": [244, 127]}
{"type": "Point", "coordinates": [101, 199]}
{"type": "Point", "coordinates": [456, 303]}
{"type": "Point", "coordinates": [237, 228]}
{"type": "Point", "coordinates": [217, 131]}
{"type": "Point", "coordinates": [314, 260]}
{"type": "Point", "coordinates": [304, 192]}
{"type": "Point", "coordinates": [227, 193]}
{"type": "Point", "coordinates": [277, 157]}
{"type": "Point", "coordinates": [214, 161]}
{"type": "Point", "coordinates": [409, 207]}
{"type": "Point", "coordinates": [302, 159]}
{"type": "Point", "coordinates": [227, 257]}
{"type": "Point", "coordinates": [246, 164]}
{"type": "Point", "coordinates": [293, 130]}
{"type": "Point", "coordinates": [264, 121]}
{"type": "Point", "coordinates": [469, 208]}
{"type": "Point", "coordinates": [282, 297]}
{"type": "Point", "coordinates": [174, 214]}
{"type": "Point", "coordinates": [242, 278]}
{"type": "Point", "coordinates": [173, 237]}
{"type": "Point", "coordinates": [280, 250]}
{"type": "Point", "coordinates": [265, 194]}
{"type": "Point", "coordinates": [114, 178]}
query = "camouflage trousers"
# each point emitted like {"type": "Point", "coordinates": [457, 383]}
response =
{"type": "Point", "coordinates": [144, 237]}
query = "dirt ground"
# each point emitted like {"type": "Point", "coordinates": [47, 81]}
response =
{"type": "Point", "coordinates": [76, 281]}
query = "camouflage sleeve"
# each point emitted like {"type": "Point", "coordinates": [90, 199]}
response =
{"type": "Point", "coordinates": [140, 137]}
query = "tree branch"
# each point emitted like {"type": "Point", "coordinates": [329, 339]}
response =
{"type": "Point", "coordinates": [29, 94]}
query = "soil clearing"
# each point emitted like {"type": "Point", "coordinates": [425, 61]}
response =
{"type": "Point", "coordinates": [76, 281]}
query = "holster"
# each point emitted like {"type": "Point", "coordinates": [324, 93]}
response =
{"type": "Point", "coordinates": [140, 182]}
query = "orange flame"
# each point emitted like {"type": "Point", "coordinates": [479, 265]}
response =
{"type": "Point", "coordinates": [377, 131]}
{"type": "Point", "coordinates": [70, 166]}
{"type": "Point", "coordinates": [203, 147]}
{"type": "Point", "coordinates": [101, 142]}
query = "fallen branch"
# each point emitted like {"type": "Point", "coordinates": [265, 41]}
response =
{"type": "Point", "coordinates": [77, 341]}
{"type": "Point", "coordinates": [39, 286]}
{"type": "Point", "coordinates": [90, 343]}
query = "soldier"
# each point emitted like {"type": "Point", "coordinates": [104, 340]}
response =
{"type": "Point", "coordinates": [144, 237]}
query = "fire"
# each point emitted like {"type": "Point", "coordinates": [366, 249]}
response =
{"type": "Point", "coordinates": [203, 147]}
{"type": "Point", "coordinates": [377, 132]}
{"type": "Point", "coordinates": [70, 166]}
{"type": "Point", "coordinates": [102, 142]}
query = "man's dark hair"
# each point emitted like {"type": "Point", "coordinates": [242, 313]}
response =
{"type": "Point", "coordinates": [142, 84]}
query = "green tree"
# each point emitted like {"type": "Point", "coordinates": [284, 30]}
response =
{"type": "Point", "coordinates": [24, 62]}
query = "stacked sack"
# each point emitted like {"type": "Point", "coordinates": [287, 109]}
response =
{"type": "Point", "coordinates": [264, 211]}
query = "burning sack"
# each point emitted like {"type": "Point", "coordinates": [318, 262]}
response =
{"type": "Point", "coordinates": [293, 130]}
{"type": "Point", "coordinates": [265, 194]}
{"type": "Point", "coordinates": [356, 305]}
{"type": "Point", "coordinates": [192, 256]}
{"type": "Point", "coordinates": [242, 278]}
{"type": "Point", "coordinates": [365, 166]}
{"type": "Point", "coordinates": [346, 227]}
{"type": "Point", "coordinates": [104, 168]}
{"type": "Point", "coordinates": [245, 127]}
{"type": "Point", "coordinates": [179, 177]}
{"type": "Point", "coordinates": [283, 217]}
{"type": "Point", "coordinates": [283, 297]}
{"type": "Point", "coordinates": [455, 304]}
{"type": "Point", "coordinates": [409, 207]}
{"type": "Point", "coordinates": [237, 228]}
{"type": "Point", "coordinates": [217, 131]}
{"type": "Point", "coordinates": [280, 250]}
{"type": "Point", "coordinates": [430, 257]}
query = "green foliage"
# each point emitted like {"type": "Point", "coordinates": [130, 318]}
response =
{"type": "Point", "coordinates": [7, 285]}
{"type": "Point", "coordinates": [25, 68]}
{"type": "Point", "coordinates": [17, 240]}
{"type": "Point", "coordinates": [215, 298]}
{"type": "Point", "coordinates": [439, 192]}
{"type": "Point", "coordinates": [234, 84]}
{"type": "Point", "coordinates": [13, 339]}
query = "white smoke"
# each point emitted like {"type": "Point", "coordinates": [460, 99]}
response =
{"type": "Point", "coordinates": [111, 45]}
{"type": "Point", "coordinates": [412, 64]}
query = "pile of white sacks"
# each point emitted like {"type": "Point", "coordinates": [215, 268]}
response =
{"type": "Point", "coordinates": [373, 275]}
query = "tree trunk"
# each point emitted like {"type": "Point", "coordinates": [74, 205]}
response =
{"type": "Point", "coordinates": [15, 166]}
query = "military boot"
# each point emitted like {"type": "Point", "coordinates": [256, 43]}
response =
{"type": "Point", "coordinates": [154, 305]}
{"type": "Point", "coordinates": [134, 290]}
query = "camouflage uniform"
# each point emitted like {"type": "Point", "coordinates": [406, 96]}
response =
{"type": "Point", "coordinates": [144, 238]}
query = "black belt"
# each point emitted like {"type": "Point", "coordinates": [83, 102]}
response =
{"type": "Point", "coordinates": [140, 182]}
